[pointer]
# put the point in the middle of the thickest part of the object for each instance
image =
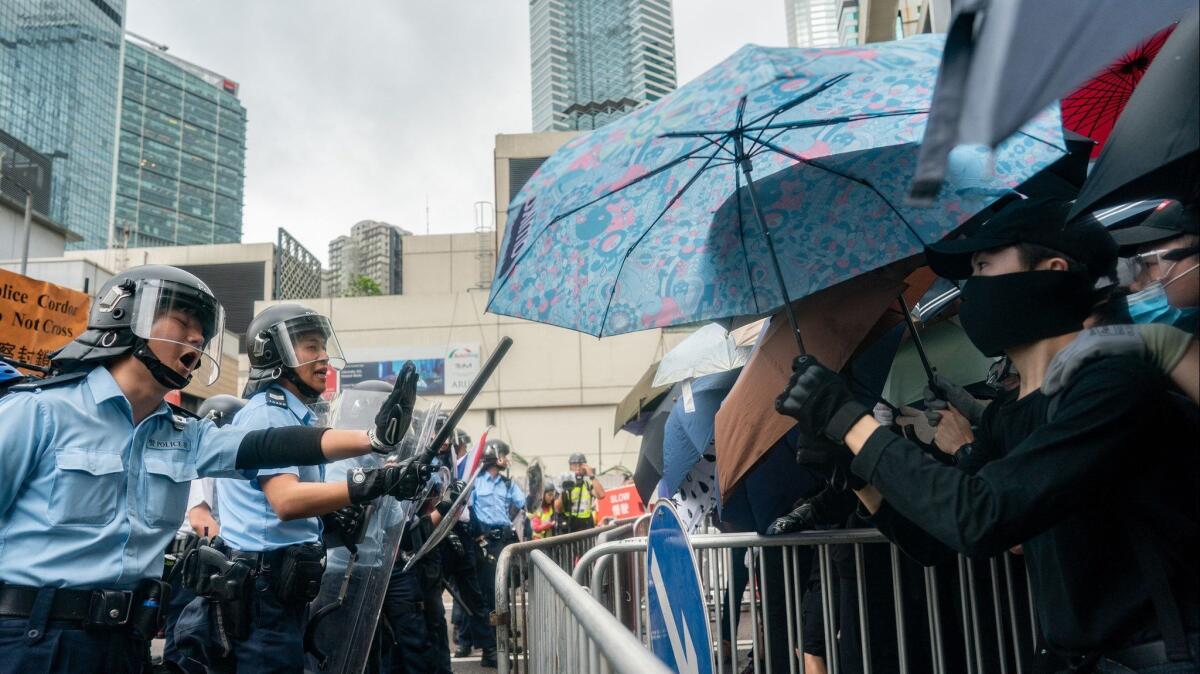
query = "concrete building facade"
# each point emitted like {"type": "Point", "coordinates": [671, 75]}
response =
{"type": "Point", "coordinates": [592, 62]}
{"type": "Point", "coordinates": [181, 164]}
{"type": "Point", "coordinates": [556, 391]}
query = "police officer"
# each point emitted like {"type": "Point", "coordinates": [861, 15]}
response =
{"type": "Point", "coordinates": [492, 501]}
{"type": "Point", "coordinates": [273, 521]}
{"type": "Point", "coordinates": [200, 521]}
{"type": "Point", "coordinates": [578, 500]}
{"type": "Point", "coordinates": [94, 472]}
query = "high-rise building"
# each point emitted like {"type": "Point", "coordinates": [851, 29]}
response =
{"type": "Point", "coordinates": [373, 250]}
{"type": "Point", "coordinates": [595, 61]}
{"type": "Point", "coordinates": [812, 23]}
{"type": "Point", "coordinates": [181, 166]}
{"type": "Point", "coordinates": [848, 23]}
{"type": "Point", "coordinates": [60, 79]}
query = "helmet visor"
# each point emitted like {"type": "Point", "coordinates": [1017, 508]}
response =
{"type": "Point", "coordinates": [185, 325]}
{"type": "Point", "coordinates": [308, 339]}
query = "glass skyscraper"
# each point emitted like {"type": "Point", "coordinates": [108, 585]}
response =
{"type": "Point", "coordinates": [812, 23]}
{"type": "Point", "coordinates": [595, 61]}
{"type": "Point", "coordinates": [60, 70]}
{"type": "Point", "coordinates": [181, 167]}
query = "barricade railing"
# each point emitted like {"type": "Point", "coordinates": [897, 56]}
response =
{"type": "Point", "coordinates": [572, 632]}
{"type": "Point", "coordinates": [511, 615]}
{"type": "Point", "coordinates": [847, 600]}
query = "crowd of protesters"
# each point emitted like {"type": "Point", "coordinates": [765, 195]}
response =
{"type": "Point", "coordinates": [1076, 453]}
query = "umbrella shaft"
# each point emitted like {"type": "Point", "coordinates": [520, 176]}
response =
{"type": "Point", "coordinates": [744, 163]}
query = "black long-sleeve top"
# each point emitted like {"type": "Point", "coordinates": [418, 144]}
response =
{"type": "Point", "coordinates": [1117, 454]}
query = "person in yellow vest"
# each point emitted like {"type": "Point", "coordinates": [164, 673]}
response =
{"type": "Point", "coordinates": [545, 518]}
{"type": "Point", "coordinates": [578, 501]}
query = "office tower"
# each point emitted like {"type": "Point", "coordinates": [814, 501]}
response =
{"type": "Point", "coordinates": [60, 71]}
{"type": "Point", "coordinates": [595, 61]}
{"type": "Point", "coordinates": [180, 173]}
{"type": "Point", "coordinates": [372, 250]}
{"type": "Point", "coordinates": [812, 23]}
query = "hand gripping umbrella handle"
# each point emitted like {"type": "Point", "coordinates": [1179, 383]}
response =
{"type": "Point", "coordinates": [464, 403]}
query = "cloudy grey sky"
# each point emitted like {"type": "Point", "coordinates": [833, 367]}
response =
{"type": "Point", "coordinates": [361, 109]}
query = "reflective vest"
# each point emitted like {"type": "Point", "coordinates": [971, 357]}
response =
{"type": "Point", "coordinates": [580, 500]}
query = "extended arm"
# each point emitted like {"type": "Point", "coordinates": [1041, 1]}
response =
{"type": "Point", "coordinates": [1045, 478]}
{"type": "Point", "coordinates": [292, 499]}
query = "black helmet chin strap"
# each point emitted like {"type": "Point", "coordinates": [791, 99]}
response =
{"type": "Point", "coordinates": [162, 374]}
{"type": "Point", "coordinates": [308, 393]}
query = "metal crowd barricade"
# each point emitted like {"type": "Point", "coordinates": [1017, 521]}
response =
{"type": "Point", "coordinates": [511, 616]}
{"type": "Point", "coordinates": [573, 633]}
{"type": "Point", "coordinates": [865, 605]}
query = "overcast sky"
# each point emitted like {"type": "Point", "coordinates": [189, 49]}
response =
{"type": "Point", "coordinates": [363, 109]}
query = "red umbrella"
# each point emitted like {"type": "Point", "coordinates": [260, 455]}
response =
{"type": "Point", "coordinates": [1092, 109]}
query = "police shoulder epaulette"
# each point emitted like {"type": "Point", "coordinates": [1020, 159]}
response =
{"type": "Point", "coordinates": [49, 382]}
{"type": "Point", "coordinates": [277, 399]}
{"type": "Point", "coordinates": [180, 416]}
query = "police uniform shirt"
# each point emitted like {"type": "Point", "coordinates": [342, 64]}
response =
{"type": "Point", "coordinates": [492, 497]}
{"type": "Point", "coordinates": [248, 522]}
{"type": "Point", "coordinates": [88, 499]}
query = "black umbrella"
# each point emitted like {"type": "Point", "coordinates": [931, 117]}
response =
{"type": "Point", "coordinates": [650, 458]}
{"type": "Point", "coordinates": [1152, 149]}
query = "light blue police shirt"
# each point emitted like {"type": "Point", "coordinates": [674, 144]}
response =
{"type": "Point", "coordinates": [248, 522]}
{"type": "Point", "coordinates": [491, 498]}
{"type": "Point", "coordinates": [88, 499]}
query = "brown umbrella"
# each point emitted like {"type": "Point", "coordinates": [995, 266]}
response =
{"type": "Point", "coordinates": [834, 322]}
{"type": "Point", "coordinates": [641, 398]}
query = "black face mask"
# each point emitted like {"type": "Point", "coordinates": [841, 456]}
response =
{"type": "Point", "coordinates": [1000, 312]}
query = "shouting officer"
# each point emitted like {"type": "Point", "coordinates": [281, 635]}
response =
{"type": "Point", "coordinates": [95, 466]}
{"type": "Point", "coordinates": [494, 496]}
{"type": "Point", "coordinates": [578, 501]}
{"type": "Point", "coordinates": [273, 521]}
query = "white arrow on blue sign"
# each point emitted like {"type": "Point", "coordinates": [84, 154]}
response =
{"type": "Point", "coordinates": [679, 630]}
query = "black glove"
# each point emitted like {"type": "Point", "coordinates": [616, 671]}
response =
{"type": "Point", "coordinates": [455, 545]}
{"type": "Point", "coordinates": [402, 481]}
{"type": "Point", "coordinates": [819, 400]}
{"type": "Point", "coordinates": [829, 507]}
{"type": "Point", "coordinates": [395, 416]}
{"type": "Point", "coordinates": [344, 527]}
{"type": "Point", "coordinates": [821, 453]}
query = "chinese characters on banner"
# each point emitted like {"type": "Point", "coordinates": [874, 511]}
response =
{"type": "Point", "coordinates": [619, 503]}
{"type": "Point", "coordinates": [37, 318]}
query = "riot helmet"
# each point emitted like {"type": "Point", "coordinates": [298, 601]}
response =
{"type": "Point", "coordinates": [220, 409]}
{"type": "Point", "coordinates": [495, 453]}
{"type": "Point", "coordinates": [577, 457]}
{"type": "Point", "coordinates": [278, 341]}
{"type": "Point", "coordinates": [152, 304]}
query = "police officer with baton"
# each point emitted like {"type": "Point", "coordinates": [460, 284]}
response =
{"type": "Point", "coordinates": [95, 466]}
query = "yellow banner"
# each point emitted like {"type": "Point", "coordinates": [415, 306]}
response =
{"type": "Point", "coordinates": [37, 317]}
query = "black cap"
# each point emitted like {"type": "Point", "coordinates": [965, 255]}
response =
{"type": "Point", "coordinates": [1042, 221]}
{"type": "Point", "coordinates": [1169, 220]}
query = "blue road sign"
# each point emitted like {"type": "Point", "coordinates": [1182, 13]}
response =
{"type": "Point", "coordinates": [679, 632]}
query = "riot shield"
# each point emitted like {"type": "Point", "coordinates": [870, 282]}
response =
{"type": "Point", "coordinates": [533, 477]}
{"type": "Point", "coordinates": [344, 615]}
{"type": "Point", "coordinates": [456, 509]}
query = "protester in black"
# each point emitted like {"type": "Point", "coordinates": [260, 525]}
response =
{"type": "Point", "coordinates": [1101, 496]}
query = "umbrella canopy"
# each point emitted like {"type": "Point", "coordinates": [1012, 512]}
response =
{"type": "Point", "coordinates": [709, 350]}
{"type": "Point", "coordinates": [1006, 61]}
{"type": "Point", "coordinates": [642, 398]}
{"type": "Point", "coordinates": [1093, 108]}
{"type": "Point", "coordinates": [689, 430]}
{"type": "Point", "coordinates": [834, 321]}
{"type": "Point", "coordinates": [644, 222]}
{"type": "Point", "coordinates": [649, 469]}
{"type": "Point", "coordinates": [1152, 149]}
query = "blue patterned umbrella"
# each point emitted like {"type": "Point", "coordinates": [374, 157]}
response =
{"type": "Point", "coordinates": [656, 220]}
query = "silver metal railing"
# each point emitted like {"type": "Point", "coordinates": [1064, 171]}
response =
{"type": "Point", "coordinates": [573, 633]}
{"type": "Point", "coordinates": [512, 613]}
{"type": "Point", "coordinates": [863, 607]}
